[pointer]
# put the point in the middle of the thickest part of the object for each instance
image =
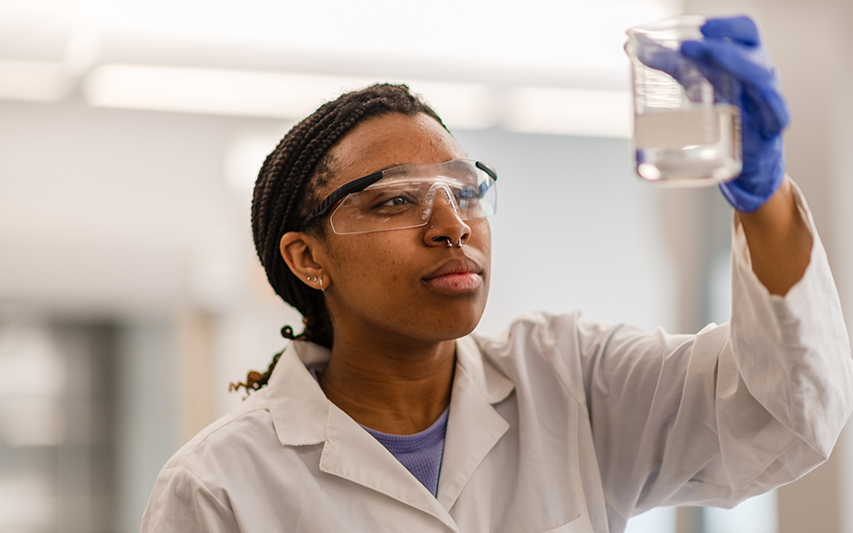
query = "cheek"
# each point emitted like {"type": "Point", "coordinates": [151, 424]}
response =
{"type": "Point", "coordinates": [481, 236]}
{"type": "Point", "coordinates": [362, 262]}
{"type": "Point", "coordinates": [484, 231]}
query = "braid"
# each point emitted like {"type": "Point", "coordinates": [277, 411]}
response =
{"type": "Point", "coordinates": [288, 187]}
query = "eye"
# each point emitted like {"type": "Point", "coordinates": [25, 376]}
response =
{"type": "Point", "coordinates": [395, 201]}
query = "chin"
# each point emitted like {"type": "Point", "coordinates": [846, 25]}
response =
{"type": "Point", "coordinates": [456, 325]}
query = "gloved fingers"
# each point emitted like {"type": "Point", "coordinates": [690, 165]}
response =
{"type": "Point", "coordinates": [768, 112]}
{"type": "Point", "coordinates": [747, 63]}
{"type": "Point", "coordinates": [740, 29]}
{"type": "Point", "coordinates": [671, 62]}
{"type": "Point", "coordinates": [726, 89]}
{"type": "Point", "coordinates": [659, 57]}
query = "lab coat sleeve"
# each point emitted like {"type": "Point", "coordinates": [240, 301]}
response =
{"type": "Point", "coordinates": [714, 418]}
{"type": "Point", "coordinates": [181, 503]}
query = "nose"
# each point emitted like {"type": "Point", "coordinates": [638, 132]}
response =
{"type": "Point", "coordinates": [444, 224]}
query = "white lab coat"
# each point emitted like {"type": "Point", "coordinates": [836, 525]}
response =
{"type": "Point", "coordinates": [559, 425]}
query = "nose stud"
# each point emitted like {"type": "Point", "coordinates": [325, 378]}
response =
{"type": "Point", "coordinates": [449, 241]}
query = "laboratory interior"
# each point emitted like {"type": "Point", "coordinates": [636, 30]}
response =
{"type": "Point", "coordinates": [131, 134]}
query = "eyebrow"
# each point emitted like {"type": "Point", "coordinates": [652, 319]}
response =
{"type": "Point", "coordinates": [374, 172]}
{"type": "Point", "coordinates": [389, 167]}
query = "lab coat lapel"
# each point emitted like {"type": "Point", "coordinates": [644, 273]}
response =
{"type": "Point", "coordinates": [474, 427]}
{"type": "Point", "coordinates": [352, 453]}
{"type": "Point", "coordinates": [302, 415]}
{"type": "Point", "coordinates": [298, 406]}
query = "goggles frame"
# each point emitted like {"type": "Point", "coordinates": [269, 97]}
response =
{"type": "Point", "coordinates": [364, 182]}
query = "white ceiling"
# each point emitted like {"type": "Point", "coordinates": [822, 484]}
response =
{"type": "Point", "coordinates": [471, 59]}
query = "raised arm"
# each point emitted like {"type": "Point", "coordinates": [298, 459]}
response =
{"type": "Point", "coordinates": [778, 238]}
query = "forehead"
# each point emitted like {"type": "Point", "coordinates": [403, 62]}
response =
{"type": "Point", "coordinates": [388, 141]}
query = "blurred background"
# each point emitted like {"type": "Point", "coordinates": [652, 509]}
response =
{"type": "Point", "coordinates": [131, 133]}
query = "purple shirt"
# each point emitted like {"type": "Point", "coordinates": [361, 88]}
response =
{"type": "Point", "coordinates": [420, 453]}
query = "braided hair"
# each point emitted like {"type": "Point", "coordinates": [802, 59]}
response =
{"type": "Point", "coordinates": [288, 187]}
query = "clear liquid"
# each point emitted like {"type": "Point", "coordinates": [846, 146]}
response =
{"type": "Point", "coordinates": [688, 147]}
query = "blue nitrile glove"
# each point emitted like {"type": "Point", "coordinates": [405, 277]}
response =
{"type": "Point", "coordinates": [733, 60]}
{"type": "Point", "coordinates": [686, 72]}
{"type": "Point", "coordinates": [731, 47]}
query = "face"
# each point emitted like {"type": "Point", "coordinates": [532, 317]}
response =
{"type": "Point", "coordinates": [404, 283]}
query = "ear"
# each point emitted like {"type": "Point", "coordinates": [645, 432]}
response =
{"type": "Point", "coordinates": [303, 255]}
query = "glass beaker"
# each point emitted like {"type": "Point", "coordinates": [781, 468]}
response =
{"type": "Point", "coordinates": [685, 133]}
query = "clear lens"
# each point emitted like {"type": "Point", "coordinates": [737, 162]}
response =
{"type": "Point", "coordinates": [405, 196]}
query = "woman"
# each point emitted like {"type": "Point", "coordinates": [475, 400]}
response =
{"type": "Point", "coordinates": [385, 415]}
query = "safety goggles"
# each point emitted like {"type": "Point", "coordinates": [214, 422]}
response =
{"type": "Point", "coordinates": [404, 196]}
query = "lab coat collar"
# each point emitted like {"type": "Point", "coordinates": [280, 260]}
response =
{"type": "Point", "coordinates": [298, 407]}
{"type": "Point", "coordinates": [494, 386]}
{"type": "Point", "coordinates": [300, 410]}
{"type": "Point", "coordinates": [474, 427]}
{"type": "Point", "coordinates": [302, 415]}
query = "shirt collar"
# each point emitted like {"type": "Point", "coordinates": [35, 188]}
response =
{"type": "Point", "coordinates": [300, 410]}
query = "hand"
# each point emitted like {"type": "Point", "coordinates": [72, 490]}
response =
{"type": "Point", "coordinates": [732, 49]}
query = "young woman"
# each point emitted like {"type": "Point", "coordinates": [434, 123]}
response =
{"type": "Point", "coordinates": [387, 415]}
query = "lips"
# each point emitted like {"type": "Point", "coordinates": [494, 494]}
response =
{"type": "Point", "coordinates": [454, 266]}
{"type": "Point", "coordinates": [455, 276]}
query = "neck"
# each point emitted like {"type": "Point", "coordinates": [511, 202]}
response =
{"type": "Point", "coordinates": [390, 388]}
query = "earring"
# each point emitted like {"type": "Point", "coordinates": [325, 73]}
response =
{"type": "Point", "coordinates": [321, 284]}
{"type": "Point", "coordinates": [312, 279]}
